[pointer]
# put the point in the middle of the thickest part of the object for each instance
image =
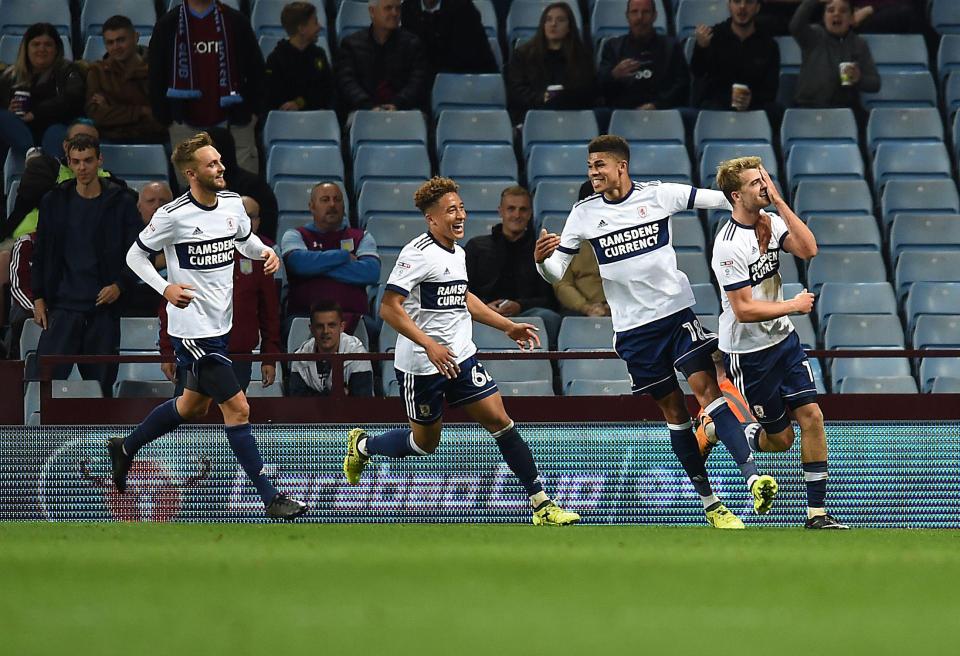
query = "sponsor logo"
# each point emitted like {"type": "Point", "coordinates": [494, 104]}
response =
{"type": "Point", "coordinates": [403, 265]}
{"type": "Point", "coordinates": [443, 295]}
{"type": "Point", "coordinates": [765, 267]}
{"type": "Point", "coordinates": [627, 243]}
{"type": "Point", "coordinates": [206, 255]}
{"type": "Point", "coordinates": [197, 231]}
{"type": "Point", "coordinates": [602, 224]}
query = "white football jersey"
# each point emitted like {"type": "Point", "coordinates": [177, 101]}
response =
{"type": "Point", "coordinates": [737, 262]}
{"type": "Point", "coordinates": [634, 247]}
{"type": "Point", "coordinates": [433, 279]}
{"type": "Point", "coordinates": [198, 243]}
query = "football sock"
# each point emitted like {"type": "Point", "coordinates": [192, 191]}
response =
{"type": "Point", "coordinates": [248, 455]}
{"type": "Point", "coordinates": [688, 453]}
{"type": "Point", "coordinates": [396, 443]}
{"type": "Point", "coordinates": [815, 475]}
{"type": "Point", "coordinates": [709, 501]}
{"type": "Point", "coordinates": [161, 420]}
{"type": "Point", "coordinates": [730, 432]}
{"type": "Point", "coordinates": [752, 431]}
{"type": "Point", "coordinates": [516, 453]}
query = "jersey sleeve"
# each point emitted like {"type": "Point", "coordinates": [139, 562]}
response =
{"type": "Point", "coordinates": [730, 266]}
{"type": "Point", "coordinates": [778, 229]}
{"type": "Point", "coordinates": [244, 227]}
{"type": "Point", "coordinates": [411, 268]}
{"type": "Point", "coordinates": [570, 236]}
{"type": "Point", "coordinates": [157, 234]}
{"type": "Point", "coordinates": [674, 197]}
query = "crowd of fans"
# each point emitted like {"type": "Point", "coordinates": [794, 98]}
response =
{"type": "Point", "coordinates": [203, 70]}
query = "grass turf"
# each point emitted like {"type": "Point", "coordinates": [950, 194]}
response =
{"type": "Point", "coordinates": [72, 589]}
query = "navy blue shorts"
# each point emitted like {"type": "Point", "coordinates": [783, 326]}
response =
{"type": "Point", "coordinates": [772, 380]}
{"type": "Point", "coordinates": [423, 395]}
{"type": "Point", "coordinates": [205, 367]}
{"type": "Point", "coordinates": [653, 351]}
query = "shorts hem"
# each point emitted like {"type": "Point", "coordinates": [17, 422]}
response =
{"type": "Point", "coordinates": [479, 396]}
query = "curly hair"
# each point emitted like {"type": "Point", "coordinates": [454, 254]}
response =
{"type": "Point", "coordinates": [433, 190]}
{"type": "Point", "coordinates": [185, 152]}
{"type": "Point", "coordinates": [728, 174]}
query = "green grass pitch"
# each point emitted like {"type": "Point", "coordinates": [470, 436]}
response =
{"type": "Point", "coordinates": [179, 590]}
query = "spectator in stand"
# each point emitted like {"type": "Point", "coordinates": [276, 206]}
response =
{"type": "Point", "coordinates": [245, 183]}
{"type": "Point", "coordinates": [500, 267]}
{"type": "Point", "coordinates": [256, 316]}
{"type": "Point", "coordinates": [452, 34]}
{"type": "Point", "coordinates": [328, 261]}
{"type": "Point", "coordinates": [823, 48]}
{"type": "Point", "coordinates": [86, 225]}
{"type": "Point", "coordinates": [40, 94]}
{"type": "Point", "coordinates": [580, 291]}
{"type": "Point", "coordinates": [886, 17]}
{"type": "Point", "coordinates": [299, 76]}
{"type": "Point", "coordinates": [21, 308]}
{"type": "Point", "coordinates": [643, 69]}
{"type": "Point", "coordinates": [553, 70]}
{"type": "Point", "coordinates": [314, 378]}
{"type": "Point", "coordinates": [142, 300]}
{"type": "Point", "coordinates": [118, 89]}
{"type": "Point", "coordinates": [737, 65]}
{"type": "Point", "coordinates": [193, 87]}
{"type": "Point", "coordinates": [383, 67]}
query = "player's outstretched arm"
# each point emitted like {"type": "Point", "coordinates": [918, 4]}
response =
{"type": "Point", "coordinates": [524, 334]}
{"type": "Point", "coordinates": [391, 311]}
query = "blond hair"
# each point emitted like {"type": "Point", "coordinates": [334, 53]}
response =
{"type": "Point", "coordinates": [728, 174]}
{"type": "Point", "coordinates": [185, 152]}
{"type": "Point", "coordinates": [433, 190]}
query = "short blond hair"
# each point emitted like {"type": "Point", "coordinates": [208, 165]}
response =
{"type": "Point", "coordinates": [433, 190]}
{"type": "Point", "coordinates": [728, 174]}
{"type": "Point", "coordinates": [185, 152]}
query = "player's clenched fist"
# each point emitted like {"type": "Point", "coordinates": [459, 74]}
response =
{"type": "Point", "coordinates": [546, 244]}
{"type": "Point", "coordinates": [271, 263]}
{"type": "Point", "coordinates": [803, 302]}
{"type": "Point", "coordinates": [179, 295]}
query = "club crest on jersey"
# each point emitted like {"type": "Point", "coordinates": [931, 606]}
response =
{"type": "Point", "coordinates": [230, 223]}
{"type": "Point", "coordinates": [629, 242]}
{"type": "Point", "coordinates": [758, 412]}
{"type": "Point", "coordinates": [642, 211]}
{"type": "Point", "coordinates": [206, 255]}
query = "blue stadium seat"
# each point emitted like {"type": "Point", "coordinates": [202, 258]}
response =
{"type": "Point", "coordinates": [401, 163]}
{"type": "Point", "coordinates": [17, 15]}
{"type": "Point", "coordinates": [299, 333]}
{"type": "Point", "coordinates": [541, 126]}
{"type": "Point", "coordinates": [143, 15]}
{"type": "Point", "coordinates": [714, 153]}
{"type": "Point", "coordinates": [945, 17]}
{"type": "Point", "coordinates": [488, 16]}
{"type": "Point", "coordinates": [480, 163]}
{"type": "Point", "coordinates": [948, 56]}
{"type": "Point", "coordinates": [915, 232]}
{"type": "Point", "coordinates": [645, 126]}
{"type": "Point", "coordinates": [293, 196]}
{"type": "Point", "coordinates": [707, 301]}
{"type": "Point", "coordinates": [387, 128]}
{"type": "Point", "coordinates": [76, 389]}
{"type": "Point", "coordinates": [562, 163]}
{"type": "Point", "coordinates": [951, 94]}
{"type": "Point", "coordinates": [879, 385]}
{"type": "Point", "coordinates": [12, 169]}
{"type": "Point", "coordinates": [393, 233]}
{"type": "Point", "coordinates": [301, 128]}
{"type": "Point", "coordinates": [387, 339]}
{"type": "Point", "coordinates": [553, 201]}
{"type": "Point", "coordinates": [890, 125]}
{"type": "Point", "coordinates": [29, 338]}
{"type": "Point", "coordinates": [838, 266]}
{"type": "Point", "coordinates": [695, 266]}
{"type": "Point", "coordinates": [386, 199]}
{"type": "Point", "coordinates": [855, 298]}
{"type": "Point", "coordinates": [786, 87]}
{"type": "Point", "coordinates": [858, 231]}
{"type": "Point", "coordinates": [601, 370]}
{"type": "Point", "coordinates": [789, 54]}
{"type": "Point", "coordinates": [849, 331]}
{"type": "Point", "coordinates": [804, 327]}
{"type": "Point", "coordinates": [918, 197]}
{"type": "Point", "coordinates": [135, 163]}
{"type": "Point", "coordinates": [832, 198]}
{"type": "Point", "coordinates": [932, 369]}
{"type": "Point", "coordinates": [514, 371]}
{"type": "Point", "coordinates": [139, 333]}
{"type": "Point", "coordinates": [898, 53]}
{"type": "Point", "coordinates": [585, 334]}
{"type": "Point", "coordinates": [524, 387]}
{"type": "Point", "coordinates": [453, 91]}
{"type": "Point", "coordinates": [687, 233]}
{"type": "Point", "coordinates": [581, 387]}
{"type": "Point", "coordinates": [486, 126]}
{"type": "Point", "coordinates": [665, 162]}
{"type": "Point", "coordinates": [314, 163]}
{"type": "Point", "coordinates": [945, 385]}
{"type": "Point", "coordinates": [818, 127]}
{"type": "Point", "coordinates": [925, 266]}
{"type": "Point", "coordinates": [524, 16]}
{"type": "Point", "coordinates": [731, 127]}
{"type": "Point", "coordinates": [931, 298]}
{"type": "Point", "coordinates": [937, 331]}
{"type": "Point", "coordinates": [488, 338]}
{"type": "Point", "coordinates": [351, 17]}
{"type": "Point", "coordinates": [691, 13]}
{"type": "Point", "coordinates": [824, 162]}
{"type": "Point", "coordinates": [608, 19]}
{"type": "Point", "coordinates": [160, 389]}
{"type": "Point", "coordinates": [902, 90]}
{"type": "Point", "coordinates": [482, 200]}
{"type": "Point", "coordinates": [867, 368]}
{"type": "Point", "coordinates": [139, 370]}
{"type": "Point", "coordinates": [286, 222]}
{"type": "Point", "coordinates": [10, 48]}
{"type": "Point", "coordinates": [477, 226]}
{"type": "Point", "coordinates": [901, 161]}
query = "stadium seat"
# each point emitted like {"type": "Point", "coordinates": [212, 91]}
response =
{"type": "Point", "coordinates": [9, 48]}
{"type": "Point", "coordinates": [399, 163]}
{"type": "Point", "coordinates": [76, 389]}
{"type": "Point", "coordinates": [29, 338]}
{"type": "Point", "coordinates": [915, 89]}
{"type": "Point", "coordinates": [387, 338]}
{"type": "Point", "coordinates": [387, 129]}
{"type": "Point", "coordinates": [608, 19]}
{"type": "Point", "coordinates": [925, 266]}
{"type": "Point", "coordinates": [580, 387]}
{"type": "Point", "coordinates": [937, 331]}
{"type": "Point", "coordinates": [789, 54]}
{"type": "Point", "coordinates": [143, 15]}
{"type": "Point", "coordinates": [786, 88]}
{"type": "Point", "coordinates": [951, 94]}
{"type": "Point", "coordinates": [691, 13]}
{"type": "Point", "coordinates": [561, 163]}
{"type": "Point", "coordinates": [574, 127]}
{"type": "Point", "coordinates": [602, 370]}
{"type": "Point", "coordinates": [393, 233]}
{"type": "Point", "coordinates": [817, 127]}
{"type": "Point", "coordinates": [804, 327]}
{"type": "Point", "coordinates": [12, 169]}
{"type": "Point", "coordinates": [454, 91]}
{"type": "Point", "coordinates": [948, 56]}
{"type": "Point", "coordinates": [154, 389]}
{"type": "Point", "coordinates": [299, 333]}
{"type": "Point", "coordinates": [731, 128]}
{"type": "Point", "coordinates": [687, 234]}
{"type": "Point", "coordinates": [707, 301]}
{"type": "Point", "coordinates": [665, 162]}
{"type": "Point", "coordinates": [832, 198]}
{"type": "Point", "coordinates": [856, 298]}
{"type": "Point", "coordinates": [945, 385]}
{"type": "Point", "coordinates": [523, 17]}
{"type": "Point", "coordinates": [900, 161]}
{"type": "Point", "coordinates": [135, 163]}
{"type": "Point", "coordinates": [931, 298]}
{"type": "Point", "coordinates": [139, 370]}
{"type": "Point", "coordinates": [891, 125]}
{"type": "Point", "coordinates": [482, 202]}
{"type": "Point", "coordinates": [933, 368]}
{"type": "Point", "coordinates": [916, 232]}
{"type": "Point", "coordinates": [867, 368]}
{"type": "Point", "coordinates": [645, 126]}
{"type": "Point", "coordinates": [553, 201]}
{"type": "Point", "coordinates": [387, 262]}
{"type": "Point", "coordinates": [488, 16]}
{"type": "Point", "coordinates": [714, 153]}
{"type": "Point", "coordinates": [851, 331]}
{"type": "Point", "coordinates": [488, 338]}
{"type": "Point", "coordinates": [859, 232]}
{"type": "Point", "coordinates": [852, 266]}
{"type": "Point", "coordinates": [351, 17]}
{"type": "Point", "coordinates": [695, 266]}
{"type": "Point", "coordinates": [17, 15]}
{"type": "Point", "coordinates": [318, 127]}
{"type": "Point", "coordinates": [139, 333]}
{"type": "Point", "coordinates": [486, 126]}
{"type": "Point", "coordinates": [898, 53]}
{"type": "Point", "coordinates": [380, 198]}
{"type": "Point", "coordinates": [313, 163]}
{"type": "Point", "coordinates": [525, 388]}
{"type": "Point", "coordinates": [824, 162]}
{"type": "Point", "coordinates": [585, 334]}
{"type": "Point", "coordinates": [257, 390]}
{"type": "Point", "coordinates": [945, 17]}
{"type": "Point", "coordinates": [389, 384]}
{"type": "Point", "coordinates": [94, 49]}
{"type": "Point", "coordinates": [514, 371]}
{"type": "Point", "coordinates": [709, 322]}
{"type": "Point", "coordinates": [918, 197]}
{"type": "Point", "coordinates": [879, 385]}
{"type": "Point", "coordinates": [480, 163]}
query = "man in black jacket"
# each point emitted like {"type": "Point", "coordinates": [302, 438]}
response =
{"type": "Point", "coordinates": [299, 76]}
{"type": "Point", "coordinates": [500, 267]}
{"type": "Point", "coordinates": [383, 67]}
{"type": "Point", "coordinates": [452, 35]}
{"type": "Point", "coordinates": [86, 225]}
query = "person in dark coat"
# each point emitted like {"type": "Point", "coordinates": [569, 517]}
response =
{"type": "Point", "coordinates": [452, 34]}
{"type": "Point", "coordinates": [299, 76]}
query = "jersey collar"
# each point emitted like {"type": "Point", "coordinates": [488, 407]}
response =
{"type": "Point", "coordinates": [205, 208]}
{"type": "Point", "coordinates": [745, 227]}
{"type": "Point", "coordinates": [434, 239]}
{"type": "Point", "coordinates": [633, 188]}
